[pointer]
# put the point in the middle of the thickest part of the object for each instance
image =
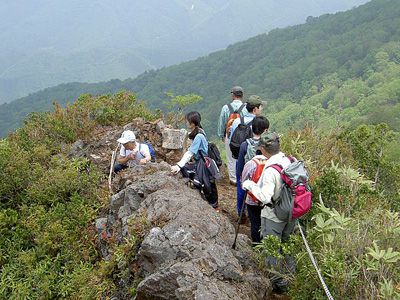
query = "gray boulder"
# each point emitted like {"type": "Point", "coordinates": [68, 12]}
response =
{"type": "Point", "coordinates": [174, 139]}
{"type": "Point", "coordinates": [187, 254]}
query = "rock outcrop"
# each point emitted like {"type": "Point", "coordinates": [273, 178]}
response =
{"type": "Point", "coordinates": [189, 254]}
{"type": "Point", "coordinates": [186, 246]}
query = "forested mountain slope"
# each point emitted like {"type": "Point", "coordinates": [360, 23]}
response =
{"type": "Point", "coordinates": [285, 67]}
{"type": "Point", "coordinates": [48, 42]}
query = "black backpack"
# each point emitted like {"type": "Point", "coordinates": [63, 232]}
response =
{"type": "Point", "coordinates": [241, 134]}
{"type": "Point", "coordinates": [213, 153]}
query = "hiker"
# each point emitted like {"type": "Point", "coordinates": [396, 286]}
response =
{"type": "Point", "coordinates": [229, 113]}
{"type": "Point", "coordinates": [245, 169]}
{"type": "Point", "coordinates": [268, 189]}
{"type": "Point", "coordinates": [241, 130]}
{"type": "Point", "coordinates": [131, 152]}
{"type": "Point", "coordinates": [254, 107]}
{"type": "Point", "coordinates": [199, 151]}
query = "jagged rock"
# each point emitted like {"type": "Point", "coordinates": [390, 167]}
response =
{"type": "Point", "coordinates": [174, 138]}
{"type": "Point", "coordinates": [188, 253]}
{"type": "Point", "coordinates": [101, 228]}
{"type": "Point", "coordinates": [160, 127]}
{"type": "Point", "coordinates": [173, 156]}
{"type": "Point", "coordinates": [77, 149]}
{"type": "Point", "coordinates": [101, 224]}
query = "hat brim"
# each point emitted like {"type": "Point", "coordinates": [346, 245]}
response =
{"type": "Point", "coordinates": [263, 103]}
{"type": "Point", "coordinates": [124, 140]}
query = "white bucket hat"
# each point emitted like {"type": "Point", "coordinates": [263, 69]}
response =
{"type": "Point", "coordinates": [126, 137]}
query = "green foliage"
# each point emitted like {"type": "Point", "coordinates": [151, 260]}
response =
{"type": "Point", "coordinates": [48, 203]}
{"type": "Point", "coordinates": [177, 106]}
{"type": "Point", "coordinates": [369, 147]}
{"type": "Point", "coordinates": [352, 263]}
{"type": "Point", "coordinates": [340, 69]}
{"type": "Point", "coordinates": [353, 232]}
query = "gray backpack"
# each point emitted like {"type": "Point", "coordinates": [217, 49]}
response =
{"type": "Point", "coordinates": [295, 198]}
{"type": "Point", "coordinates": [251, 149]}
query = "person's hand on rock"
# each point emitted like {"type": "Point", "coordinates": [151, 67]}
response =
{"type": "Point", "coordinates": [175, 169]}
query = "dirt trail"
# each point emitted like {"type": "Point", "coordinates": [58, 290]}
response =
{"type": "Point", "coordinates": [227, 203]}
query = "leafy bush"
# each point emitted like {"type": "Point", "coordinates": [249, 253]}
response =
{"type": "Point", "coordinates": [353, 231]}
{"type": "Point", "coordinates": [48, 203]}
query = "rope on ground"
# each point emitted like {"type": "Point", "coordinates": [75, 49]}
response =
{"type": "Point", "coordinates": [327, 292]}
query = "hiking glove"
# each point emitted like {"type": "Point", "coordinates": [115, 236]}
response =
{"type": "Point", "coordinates": [175, 169]}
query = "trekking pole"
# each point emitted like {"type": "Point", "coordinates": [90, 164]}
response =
{"type": "Point", "coordinates": [240, 218]}
{"type": "Point", "coordinates": [113, 156]}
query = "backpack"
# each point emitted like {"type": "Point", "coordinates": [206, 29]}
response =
{"type": "Point", "coordinates": [295, 198]}
{"type": "Point", "coordinates": [251, 149]}
{"type": "Point", "coordinates": [151, 149]}
{"type": "Point", "coordinates": [241, 134]}
{"type": "Point", "coordinates": [213, 153]}
{"type": "Point", "coordinates": [233, 115]}
{"type": "Point", "coordinates": [206, 173]}
{"type": "Point", "coordinates": [257, 174]}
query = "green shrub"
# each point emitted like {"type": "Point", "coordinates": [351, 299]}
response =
{"type": "Point", "coordinates": [48, 203]}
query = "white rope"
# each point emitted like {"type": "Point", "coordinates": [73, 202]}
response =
{"type": "Point", "coordinates": [327, 292]}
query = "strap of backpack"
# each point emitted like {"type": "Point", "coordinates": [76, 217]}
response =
{"type": "Point", "coordinates": [241, 119]}
{"type": "Point", "coordinates": [202, 156]}
{"type": "Point", "coordinates": [241, 108]}
{"type": "Point", "coordinates": [140, 147]}
{"type": "Point", "coordinates": [231, 110]}
{"type": "Point", "coordinates": [277, 167]}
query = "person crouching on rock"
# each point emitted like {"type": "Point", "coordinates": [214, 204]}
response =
{"type": "Point", "coordinates": [198, 150]}
{"type": "Point", "coordinates": [131, 153]}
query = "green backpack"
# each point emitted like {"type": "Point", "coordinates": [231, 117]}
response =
{"type": "Point", "coordinates": [251, 149]}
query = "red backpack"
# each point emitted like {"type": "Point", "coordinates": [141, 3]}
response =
{"type": "Point", "coordinates": [233, 115]}
{"type": "Point", "coordinates": [295, 198]}
{"type": "Point", "coordinates": [257, 174]}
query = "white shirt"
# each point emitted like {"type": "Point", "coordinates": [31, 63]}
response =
{"type": "Point", "coordinates": [144, 152]}
{"type": "Point", "coordinates": [270, 184]}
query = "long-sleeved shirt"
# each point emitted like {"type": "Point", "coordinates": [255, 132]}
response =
{"type": "Point", "coordinates": [224, 115]}
{"type": "Point", "coordinates": [248, 173]}
{"type": "Point", "coordinates": [270, 184]}
{"type": "Point", "coordinates": [199, 144]}
{"type": "Point", "coordinates": [241, 161]}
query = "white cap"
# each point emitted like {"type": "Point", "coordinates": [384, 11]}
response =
{"type": "Point", "coordinates": [126, 137]}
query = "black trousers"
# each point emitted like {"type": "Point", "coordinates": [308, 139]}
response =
{"type": "Point", "coordinates": [254, 212]}
{"type": "Point", "coordinates": [119, 167]}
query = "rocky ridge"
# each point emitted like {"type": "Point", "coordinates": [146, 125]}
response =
{"type": "Point", "coordinates": [186, 251]}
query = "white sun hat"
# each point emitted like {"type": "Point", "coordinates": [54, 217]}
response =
{"type": "Point", "coordinates": [126, 137]}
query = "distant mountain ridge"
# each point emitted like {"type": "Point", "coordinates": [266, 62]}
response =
{"type": "Point", "coordinates": [47, 42]}
{"type": "Point", "coordinates": [285, 67]}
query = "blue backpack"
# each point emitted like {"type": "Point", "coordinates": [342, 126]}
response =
{"type": "Point", "coordinates": [151, 149]}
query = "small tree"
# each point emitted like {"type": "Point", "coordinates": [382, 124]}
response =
{"type": "Point", "coordinates": [177, 106]}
